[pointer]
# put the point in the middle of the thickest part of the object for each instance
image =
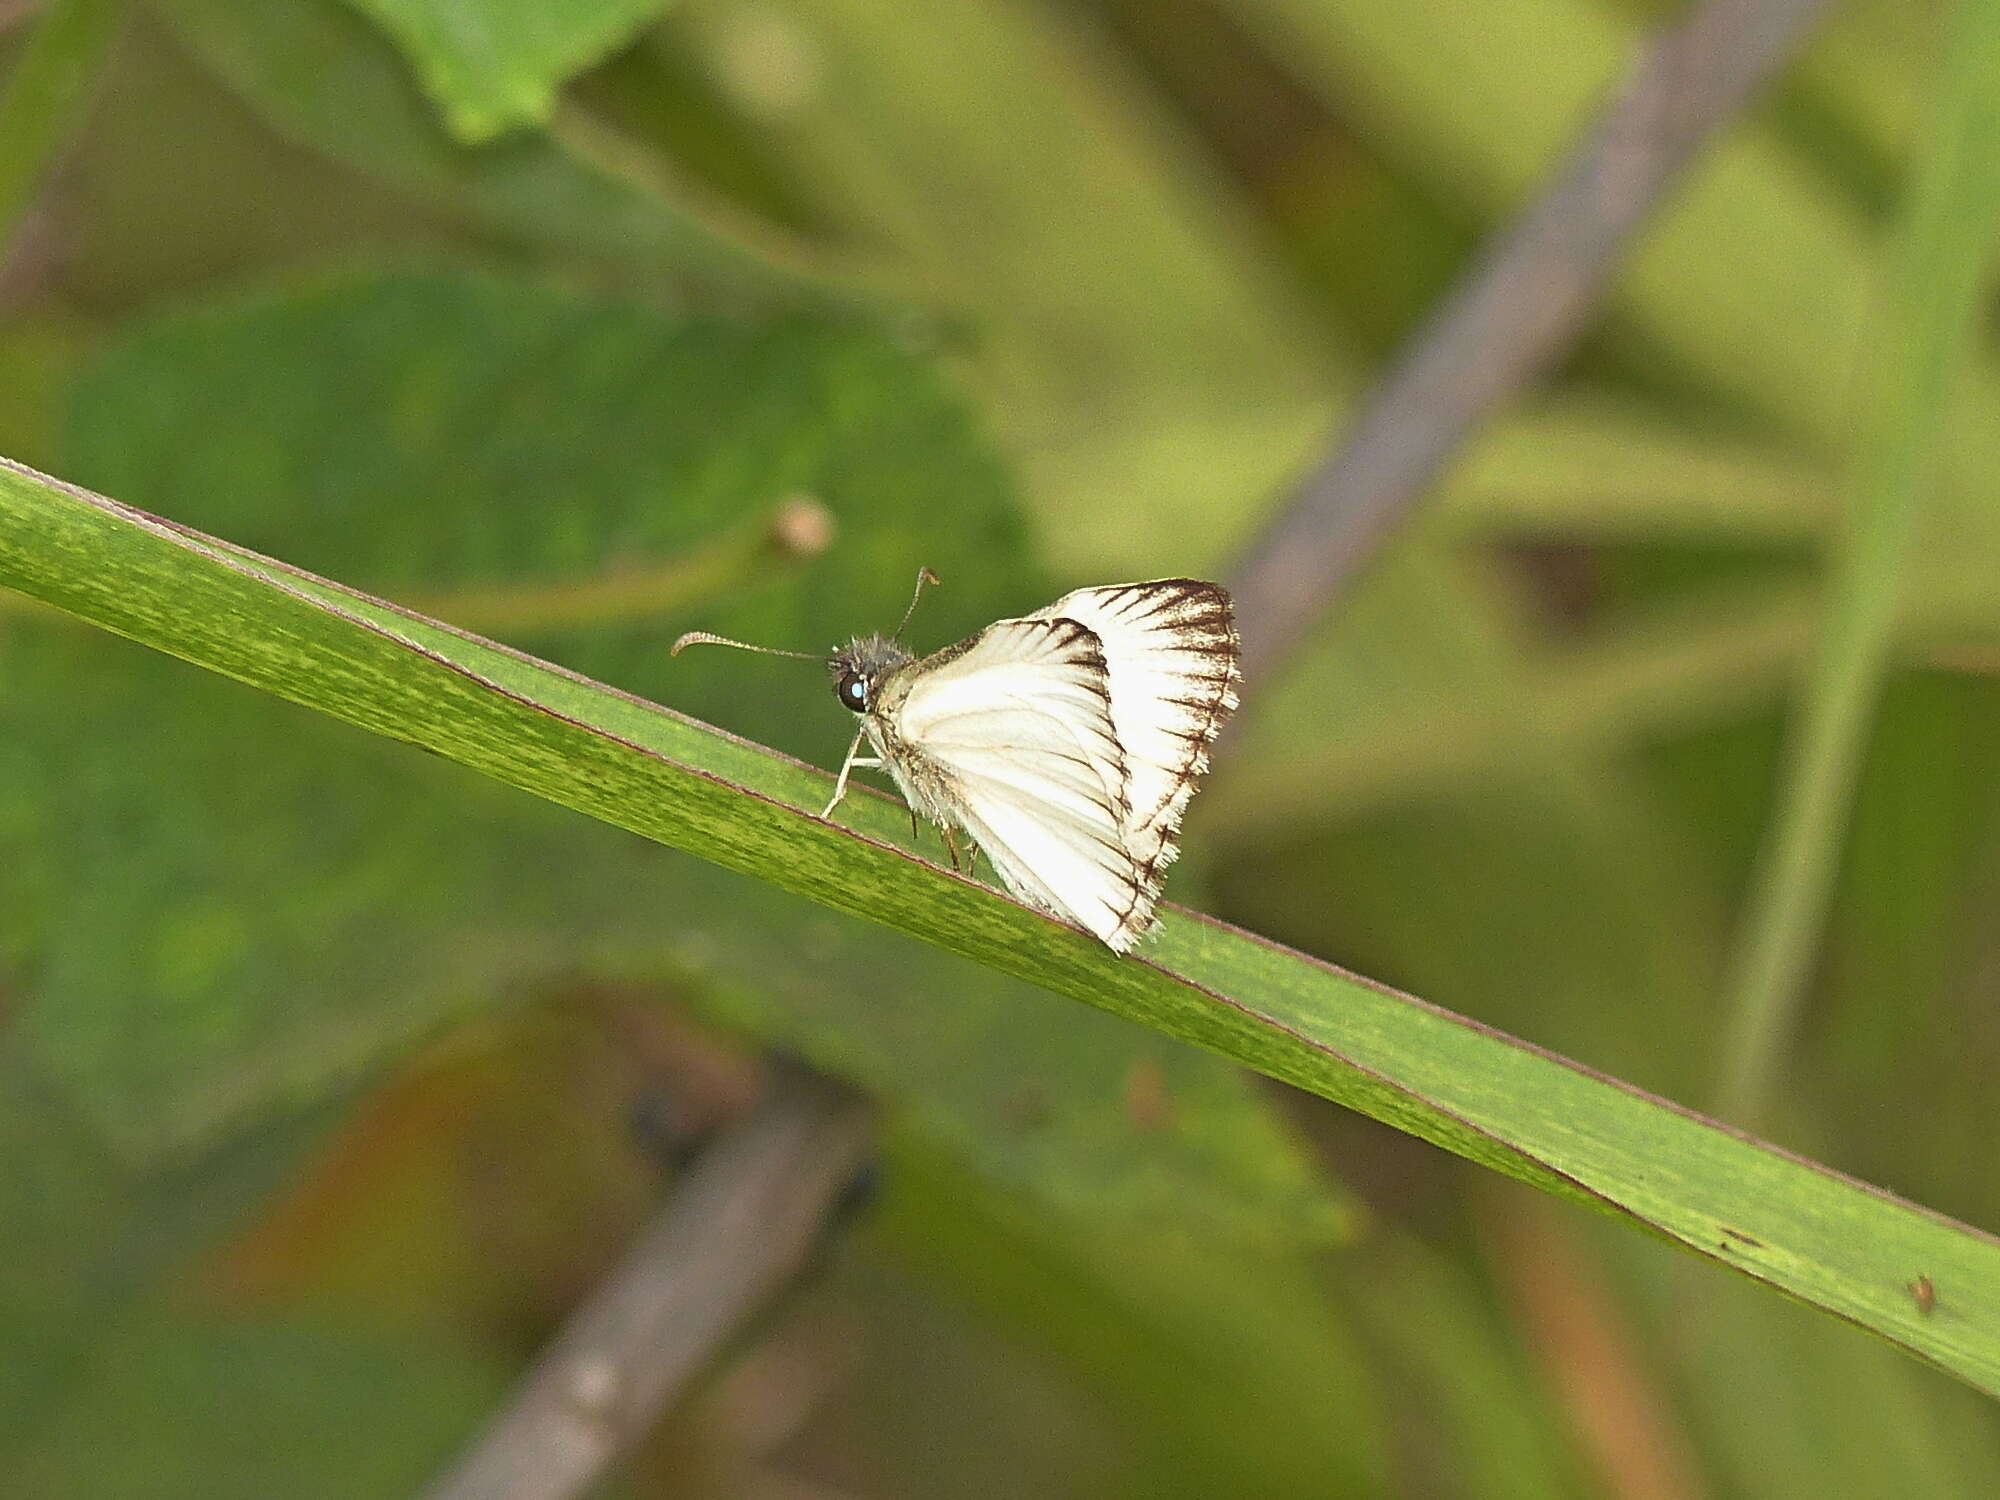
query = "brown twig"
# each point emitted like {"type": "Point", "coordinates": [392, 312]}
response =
{"type": "Point", "coordinates": [1516, 312]}
{"type": "Point", "coordinates": [737, 1228]}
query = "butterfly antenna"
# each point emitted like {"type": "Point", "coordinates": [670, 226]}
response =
{"type": "Point", "coordinates": [924, 576]}
{"type": "Point", "coordinates": [704, 638]}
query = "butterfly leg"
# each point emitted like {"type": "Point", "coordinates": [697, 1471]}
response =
{"type": "Point", "coordinates": [847, 765]}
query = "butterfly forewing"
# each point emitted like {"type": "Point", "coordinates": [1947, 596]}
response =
{"type": "Point", "coordinates": [1016, 726]}
{"type": "Point", "coordinates": [1051, 671]}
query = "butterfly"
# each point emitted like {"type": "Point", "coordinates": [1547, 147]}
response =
{"type": "Point", "coordinates": [1066, 743]}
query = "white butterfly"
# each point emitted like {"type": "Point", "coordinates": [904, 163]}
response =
{"type": "Point", "coordinates": [1066, 743]}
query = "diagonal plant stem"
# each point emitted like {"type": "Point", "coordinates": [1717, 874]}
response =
{"type": "Point", "coordinates": [1517, 311]}
{"type": "Point", "coordinates": [1801, 1228]}
{"type": "Point", "coordinates": [1944, 253]}
{"type": "Point", "coordinates": [735, 1231]}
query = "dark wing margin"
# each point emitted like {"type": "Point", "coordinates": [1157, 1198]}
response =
{"type": "Point", "coordinates": [1172, 656]}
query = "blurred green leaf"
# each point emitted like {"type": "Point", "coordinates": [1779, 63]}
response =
{"type": "Point", "coordinates": [1138, 346]}
{"type": "Point", "coordinates": [1449, 759]}
{"type": "Point", "coordinates": [176, 1407]}
{"type": "Point", "coordinates": [1793, 1406]}
{"type": "Point", "coordinates": [1446, 1351]}
{"type": "Point", "coordinates": [1581, 465]}
{"type": "Point", "coordinates": [1902, 1032]}
{"type": "Point", "coordinates": [1754, 278]}
{"type": "Point", "coordinates": [1855, 95]}
{"type": "Point", "coordinates": [263, 904]}
{"type": "Point", "coordinates": [1636, 677]}
{"type": "Point", "coordinates": [1521, 772]}
{"type": "Point", "coordinates": [1937, 290]}
{"type": "Point", "coordinates": [37, 358]}
{"type": "Point", "coordinates": [1779, 1388]}
{"type": "Point", "coordinates": [1821, 1238]}
{"type": "Point", "coordinates": [496, 64]}
{"type": "Point", "coordinates": [62, 1200]}
{"type": "Point", "coordinates": [498, 446]}
{"type": "Point", "coordinates": [83, 1237]}
{"type": "Point", "coordinates": [1482, 104]}
{"type": "Point", "coordinates": [45, 95]}
{"type": "Point", "coordinates": [325, 79]}
{"type": "Point", "coordinates": [1237, 1371]}
{"type": "Point", "coordinates": [1654, 671]}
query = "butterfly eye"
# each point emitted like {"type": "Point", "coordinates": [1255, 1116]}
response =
{"type": "Point", "coordinates": [852, 692]}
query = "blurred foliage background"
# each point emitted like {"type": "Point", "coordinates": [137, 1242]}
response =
{"type": "Point", "coordinates": [333, 1075]}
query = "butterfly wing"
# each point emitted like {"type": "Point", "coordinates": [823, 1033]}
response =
{"type": "Point", "coordinates": [1170, 651]}
{"type": "Point", "coordinates": [1068, 742]}
{"type": "Point", "coordinates": [1010, 735]}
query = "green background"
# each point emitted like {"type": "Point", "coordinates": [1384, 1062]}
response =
{"type": "Point", "coordinates": [320, 1058]}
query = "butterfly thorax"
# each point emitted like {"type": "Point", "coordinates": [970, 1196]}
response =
{"type": "Point", "coordinates": [871, 677]}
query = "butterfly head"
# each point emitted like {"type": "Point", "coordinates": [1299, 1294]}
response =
{"type": "Point", "coordinates": [858, 668]}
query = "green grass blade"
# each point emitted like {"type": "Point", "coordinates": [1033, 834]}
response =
{"type": "Point", "coordinates": [1936, 281]}
{"type": "Point", "coordinates": [1821, 1238]}
{"type": "Point", "coordinates": [322, 77]}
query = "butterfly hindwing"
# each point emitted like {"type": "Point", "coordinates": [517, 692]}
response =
{"type": "Point", "coordinates": [1170, 651]}
{"type": "Point", "coordinates": [1073, 869]}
